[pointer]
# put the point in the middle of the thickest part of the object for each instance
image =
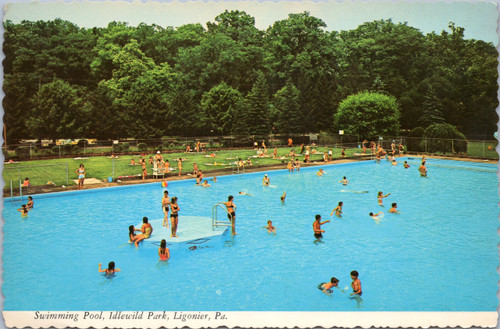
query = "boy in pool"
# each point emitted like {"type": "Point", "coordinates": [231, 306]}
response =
{"type": "Point", "coordinates": [375, 216]}
{"type": "Point", "coordinates": [423, 169]}
{"type": "Point", "coordinates": [406, 165]}
{"type": "Point", "coordinates": [393, 210]}
{"type": "Point", "coordinates": [344, 181]}
{"type": "Point", "coordinates": [110, 270]}
{"type": "Point", "coordinates": [338, 210]}
{"type": "Point", "coordinates": [327, 287]}
{"type": "Point", "coordinates": [356, 284]}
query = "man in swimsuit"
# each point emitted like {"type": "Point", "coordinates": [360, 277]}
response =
{"type": "Point", "coordinates": [393, 210]}
{"type": "Point", "coordinates": [423, 169]}
{"type": "Point", "coordinates": [231, 214]}
{"type": "Point", "coordinates": [317, 228]}
{"type": "Point", "coordinates": [356, 284]}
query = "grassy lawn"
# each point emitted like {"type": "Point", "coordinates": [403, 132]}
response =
{"type": "Point", "coordinates": [483, 150]}
{"type": "Point", "coordinates": [62, 171]}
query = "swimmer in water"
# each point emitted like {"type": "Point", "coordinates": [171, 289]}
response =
{"type": "Point", "coordinates": [110, 270]}
{"type": "Point", "coordinates": [423, 170]}
{"type": "Point", "coordinates": [338, 210]}
{"type": "Point", "coordinates": [163, 251]}
{"type": "Point", "coordinates": [344, 181]}
{"type": "Point", "coordinates": [283, 197]}
{"type": "Point", "coordinates": [317, 228]}
{"type": "Point", "coordinates": [356, 284]}
{"type": "Point", "coordinates": [380, 196]}
{"type": "Point", "coordinates": [266, 180]}
{"type": "Point", "coordinates": [30, 203]}
{"type": "Point", "coordinates": [205, 184]}
{"type": "Point", "coordinates": [393, 210]}
{"type": "Point", "coordinates": [327, 287]}
{"type": "Point", "coordinates": [23, 210]}
{"type": "Point", "coordinates": [320, 172]}
{"type": "Point", "coordinates": [375, 216]}
{"type": "Point", "coordinates": [270, 228]}
{"type": "Point", "coordinates": [244, 193]}
{"type": "Point", "coordinates": [406, 165]}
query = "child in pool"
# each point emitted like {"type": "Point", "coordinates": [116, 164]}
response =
{"type": "Point", "coordinates": [163, 251]}
{"type": "Point", "coordinates": [375, 216]}
{"type": "Point", "coordinates": [205, 184]}
{"type": "Point", "coordinates": [406, 165]}
{"type": "Point", "coordinates": [344, 181]}
{"type": "Point", "coordinates": [134, 238]}
{"type": "Point", "coordinates": [165, 202]}
{"type": "Point", "coordinates": [338, 210]}
{"type": "Point", "coordinates": [356, 284]}
{"type": "Point", "coordinates": [327, 287]}
{"type": "Point", "coordinates": [283, 197]}
{"type": "Point", "coordinates": [110, 270]}
{"type": "Point", "coordinates": [23, 210]}
{"type": "Point", "coordinates": [320, 172]}
{"type": "Point", "coordinates": [270, 228]}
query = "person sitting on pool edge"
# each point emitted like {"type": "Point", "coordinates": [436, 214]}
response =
{"type": "Point", "coordinates": [356, 284]}
{"type": "Point", "coordinates": [327, 287]}
{"type": "Point", "coordinates": [146, 228]}
{"type": "Point", "coordinates": [110, 270]}
{"type": "Point", "coordinates": [133, 238]}
{"type": "Point", "coordinates": [163, 251]}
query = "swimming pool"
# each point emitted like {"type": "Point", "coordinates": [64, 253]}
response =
{"type": "Point", "coordinates": [439, 254]}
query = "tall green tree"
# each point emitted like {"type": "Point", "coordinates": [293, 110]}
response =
{"type": "Point", "coordinates": [218, 108]}
{"type": "Point", "coordinates": [287, 105]}
{"type": "Point", "coordinates": [255, 118]}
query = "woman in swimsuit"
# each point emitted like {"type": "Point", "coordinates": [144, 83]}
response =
{"type": "Point", "coordinates": [110, 270]}
{"type": "Point", "coordinates": [174, 216]}
{"type": "Point", "coordinates": [231, 214]}
{"type": "Point", "coordinates": [338, 210]}
{"type": "Point", "coordinates": [81, 176]}
{"type": "Point", "coordinates": [134, 238]}
{"type": "Point", "coordinates": [380, 196]}
{"type": "Point", "coordinates": [165, 201]}
{"type": "Point", "coordinates": [30, 203]}
{"type": "Point", "coordinates": [163, 251]}
{"type": "Point", "coordinates": [179, 165]}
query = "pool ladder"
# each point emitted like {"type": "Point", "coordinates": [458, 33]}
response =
{"type": "Point", "coordinates": [215, 222]}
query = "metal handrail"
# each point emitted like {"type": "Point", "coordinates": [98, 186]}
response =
{"type": "Point", "coordinates": [215, 222]}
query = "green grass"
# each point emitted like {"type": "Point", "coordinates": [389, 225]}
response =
{"type": "Point", "coordinates": [484, 149]}
{"type": "Point", "coordinates": [100, 167]}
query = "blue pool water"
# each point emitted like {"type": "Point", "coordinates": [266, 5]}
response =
{"type": "Point", "coordinates": [439, 254]}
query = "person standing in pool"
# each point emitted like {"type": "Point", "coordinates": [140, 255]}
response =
{"type": "Point", "coordinates": [30, 203]}
{"type": "Point", "coordinates": [231, 214]}
{"type": "Point", "coordinates": [174, 216]}
{"type": "Point", "coordinates": [406, 165]}
{"type": "Point", "coordinates": [165, 202]}
{"type": "Point", "coordinates": [381, 196]}
{"type": "Point", "coordinates": [338, 210]}
{"type": "Point", "coordinates": [163, 251]}
{"type": "Point", "coordinates": [356, 284]}
{"type": "Point", "coordinates": [422, 169]}
{"type": "Point", "coordinates": [266, 180]}
{"type": "Point", "coordinates": [317, 228]}
{"type": "Point", "coordinates": [81, 176]}
{"type": "Point", "coordinates": [327, 287]}
{"type": "Point", "coordinates": [270, 228]}
{"type": "Point", "coordinates": [110, 270]}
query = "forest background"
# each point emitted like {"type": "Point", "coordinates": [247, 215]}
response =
{"type": "Point", "coordinates": [63, 81]}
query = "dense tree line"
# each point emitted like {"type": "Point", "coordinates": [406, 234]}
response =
{"type": "Point", "coordinates": [62, 81]}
